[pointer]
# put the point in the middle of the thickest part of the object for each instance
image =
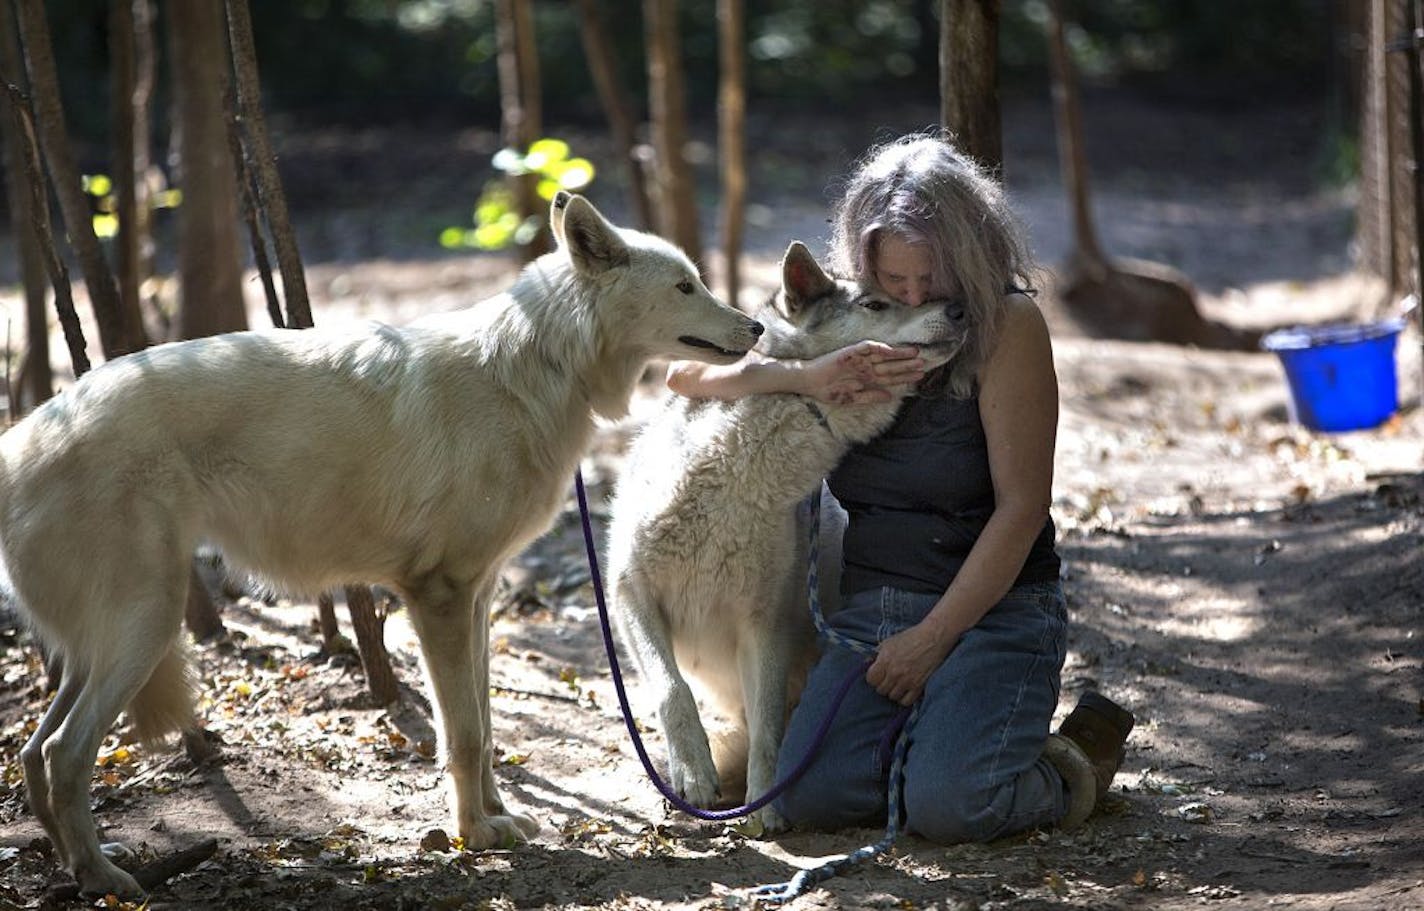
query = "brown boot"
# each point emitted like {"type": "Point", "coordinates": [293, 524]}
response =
{"type": "Point", "coordinates": [1079, 779]}
{"type": "Point", "coordinates": [1099, 727]}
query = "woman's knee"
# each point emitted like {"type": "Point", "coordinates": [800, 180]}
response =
{"type": "Point", "coordinates": [823, 803]}
{"type": "Point", "coordinates": [949, 815]}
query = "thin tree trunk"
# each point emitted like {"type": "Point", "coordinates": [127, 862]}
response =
{"type": "Point", "coordinates": [969, 78]}
{"type": "Point", "coordinates": [369, 624]}
{"type": "Point", "coordinates": [326, 620]}
{"type": "Point", "coordinates": [131, 66]}
{"type": "Point", "coordinates": [64, 176]}
{"type": "Point", "coordinates": [1074, 162]}
{"type": "Point", "coordinates": [1414, 39]}
{"type": "Point", "coordinates": [39, 209]}
{"type": "Point", "coordinates": [732, 116]}
{"type": "Point", "coordinates": [603, 69]}
{"type": "Point", "coordinates": [200, 613]}
{"type": "Point", "coordinates": [259, 151]}
{"type": "Point", "coordinates": [251, 209]}
{"type": "Point", "coordinates": [209, 274]}
{"type": "Point", "coordinates": [254, 146]}
{"type": "Point", "coordinates": [522, 118]}
{"type": "Point", "coordinates": [676, 197]}
{"type": "Point", "coordinates": [36, 381]}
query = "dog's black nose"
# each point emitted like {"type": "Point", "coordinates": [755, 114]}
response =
{"type": "Point", "coordinates": [757, 329]}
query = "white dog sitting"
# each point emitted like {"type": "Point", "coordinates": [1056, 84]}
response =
{"type": "Point", "coordinates": [706, 562]}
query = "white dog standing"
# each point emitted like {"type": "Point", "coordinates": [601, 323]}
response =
{"type": "Point", "coordinates": [419, 458]}
{"type": "Point", "coordinates": [706, 559]}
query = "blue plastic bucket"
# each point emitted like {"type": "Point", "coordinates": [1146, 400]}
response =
{"type": "Point", "coordinates": [1341, 377]}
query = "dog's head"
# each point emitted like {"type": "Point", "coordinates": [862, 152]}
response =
{"type": "Point", "coordinates": [650, 286]}
{"type": "Point", "coordinates": [814, 313]}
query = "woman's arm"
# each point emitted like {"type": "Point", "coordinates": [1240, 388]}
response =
{"type": "Point", "coordinates": [858, 374]}
{"type": "Point", "coordinates": [1018, 405]}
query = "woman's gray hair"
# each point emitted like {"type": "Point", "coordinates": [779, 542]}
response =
{"type": "Point", "coordinates": [924, 190]}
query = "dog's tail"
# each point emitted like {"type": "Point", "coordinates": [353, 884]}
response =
{"type": "Point", "coordinates": [165, 703]}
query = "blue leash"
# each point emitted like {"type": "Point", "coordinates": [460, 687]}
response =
{"type": "Point", "coordinates": [902, 723]}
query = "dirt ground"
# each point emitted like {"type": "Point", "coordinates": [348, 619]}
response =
{"type": "Point", "coordinates": [1251, 589]}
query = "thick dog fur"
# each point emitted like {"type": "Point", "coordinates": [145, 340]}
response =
{"type": "Point", "coordinates": [419, 458]}
{"type": "Point", "coordinates": [706, 558]}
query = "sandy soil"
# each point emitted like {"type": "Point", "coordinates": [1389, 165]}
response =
{"type": "Point", "coordinates": [1253, 590]}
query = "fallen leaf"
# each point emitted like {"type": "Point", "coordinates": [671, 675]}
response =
{"type": "Point", "coordinates": [1056, 883]}
{"type": "Point", "coordinates": [749, 827]}
{"type": "Point", "coordinates": [435, 840]}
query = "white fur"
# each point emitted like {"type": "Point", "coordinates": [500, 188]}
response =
{"type": "Point", "coordinates": [706, 557]}
{"type": "Point", "coordinates": [419, 458]}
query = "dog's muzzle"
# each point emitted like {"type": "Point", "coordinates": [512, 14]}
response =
{"type": "Point", "coordinates": [754, 329]}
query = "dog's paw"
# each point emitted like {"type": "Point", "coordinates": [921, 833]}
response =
{"type": "Point", "coordinates": [101, 877]}
{"type": "Point", "coordinates": [498, 831]}
{"type": "Point", "coordinates": [691, 771]}
{"type": "Point", "coordinates": [771, 820]}
{"type": "Point", "coordinates": [694, 778]}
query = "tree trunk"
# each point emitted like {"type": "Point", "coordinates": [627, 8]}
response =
{"type": "Point", "coordinates": [39, 210]}
{"type": "Point", "coordinates": [200, 613]}
{"type": "Point", "coordinates": [732, 116]}
{"type": "Point", "coordinates": [258, 146]}
{"type": "Point", "coordinates": [1414, 38]}
{"type": "Point", "coordinates": [37, 380]}
{"type": "Point", "coordinates": [131, 67]}
{"type": "Point", "coordinates": [64, 176]}
{"type": "Point", "coordinates": [603, 69]}
{"type": "Point", "coordinates": [250, 206]}
{"type": "Point", "coordinates": [326, 620]}
{"type": "Point", "coordinates": [521, 114]}
{"type": "Point", "coordinates": [969, 78]}
{"type": "Point", "coordinates": [209, 274]}
{"type": "Point", "coordinates": [369, 624]}
{"type": "Point", "coordinates": [675, 197]}
{"type": "Point", "coordinates": [1069, 119]}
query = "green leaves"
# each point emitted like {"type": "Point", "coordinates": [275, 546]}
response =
{"type": "Point", "coordinates": [497, 221]}
{"type": "Point", "coordinates": [106, 218]}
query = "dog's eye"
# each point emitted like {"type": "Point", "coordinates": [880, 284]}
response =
{"type": "Point", "coordinates": [872, 303]}
{"type": "Point", "coordinates": [685, 286]}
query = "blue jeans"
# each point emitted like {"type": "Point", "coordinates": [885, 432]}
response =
{"type": "Point", "coordinates": [975, 769]}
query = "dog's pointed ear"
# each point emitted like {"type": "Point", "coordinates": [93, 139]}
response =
{"type": "Point", "coordinates": [594, 245]}
{"type": "Point", "coordinates": [802, 278]}
{"type": "Point", "coordinates": [557, 207]}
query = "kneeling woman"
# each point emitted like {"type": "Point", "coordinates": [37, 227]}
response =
{"type": "Point", "coordinates": [950, 568]}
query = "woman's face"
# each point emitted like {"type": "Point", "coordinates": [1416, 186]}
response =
{"type": "Point", "coordinates": [903, 269]}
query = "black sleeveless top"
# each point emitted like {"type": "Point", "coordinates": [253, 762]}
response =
{"type": "Point", "coordinates": [918, 496]}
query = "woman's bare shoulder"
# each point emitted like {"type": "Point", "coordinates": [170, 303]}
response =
{"type": "Point", "coordinates": [1023, 331]}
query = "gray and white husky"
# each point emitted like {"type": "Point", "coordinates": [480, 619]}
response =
{"type": "Point", "coordinates": [705, 556]}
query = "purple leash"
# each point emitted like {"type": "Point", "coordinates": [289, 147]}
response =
{"type": "Point", "coordinates": [663, 787]}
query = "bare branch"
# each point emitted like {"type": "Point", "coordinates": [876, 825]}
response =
{"type": "Point", "coordinates": [39, 205]}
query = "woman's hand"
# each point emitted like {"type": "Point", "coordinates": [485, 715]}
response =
{"type": "Point", "coordinates": [861, 373]}
{"type": "Point", "coordinates": [905, 661]}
